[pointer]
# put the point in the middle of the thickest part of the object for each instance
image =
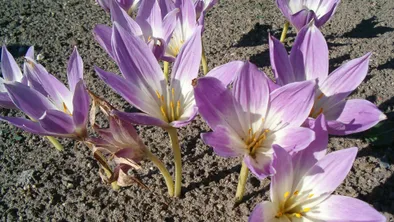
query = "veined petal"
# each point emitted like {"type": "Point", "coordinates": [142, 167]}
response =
{"type": "Point", "coordinates": [34, 105]}
{"type": "Point", "coordinates": [150, 19]}
{"type": "Point", "coordinates": [74, 70]}
{"type": "Point", "coordinates": [327, 174]}
{"type": "Point", "coordinates": [341, 208]}
{"type": "Point", "coordinates": [135, 95]}
{"type": "Point", "coordinates": [294, 139]}
{"type": "Point", "coordinates": [5, 101]}
{"type": "Point", "coordinates": [309, 55]}
{"type": "Point", "coordinates": [187, 16]}
{"type": "Point", "coordinates": [264, 212]}
{"type": "Point", "coordinates": [140, 118]}
{"type": "Point", "coordinates": [9, 68]}
{"type": "Point", "coordinates": [227, 73]}
{"type": "Point", "coordinates": [225, 143]}
{"type": "Point", "coordinates": [282, 181]}
{"type": "Point", "coordinates": [102, 34]}
{"type": "Point", "coordinates": [290, 105]}
{"type": "Point", "coordinates": [260, 165]}
{"type": "Point", "coordinates": [120, 16]}
{"type": "Point", "coordinates": [302, 18]}
{"type": "Point", "coordinates": [169, 23]}
{"type": "Point", "coordinates": [25, 124]}
{"type": "Point", "coordinates": [357, 115]}
{"type": "Point", "coordinates": [326, 11]}
{"type": "Point", "coordinates": [81, 102]}
{"type": "Point", "coordinates": [251, 91]}
{"type": "Point", "coordinates": [136, 62]}
{"type": "Point", "coordinates": [57, 122]}
{"type": "Point", "coordinates": [346, 78]}
{"type": "Point", "coordinates": [280, 63]}
{"type": "Point", "coordinates": [187, 64]}
{"type": "Point", "coordinates": [216, 104]}
{"type": "Point", "coordinates": [306, 158]}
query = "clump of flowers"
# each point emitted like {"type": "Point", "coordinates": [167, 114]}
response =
{"type": "Point", "coordinates": [280, 129]}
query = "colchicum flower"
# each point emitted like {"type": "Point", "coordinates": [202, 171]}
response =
{"type": "Point", "coordinates": [300, 12]}
{"type": "Point", "coordinates": [153, 25]}
{"type": "Point", "coordinates": [127, 5]}
{"type": "Point", "coordinates": [11, 73]}
{"type": "Point", "coordinates": [308, 60]}
{"type": "Point", "coordinates": [252, 116]}
{"type": "Point", "coordinates": [301, 189]}
{"type": "Point", "coordinates": [54, 109]}
{"type": "Point", "coordinates": [203, 6]}
{"type": "Point", "coordinates": [143, 83]}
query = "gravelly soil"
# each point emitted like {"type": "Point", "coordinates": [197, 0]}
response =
{"type": "Point", "coordinates": [40, 184]}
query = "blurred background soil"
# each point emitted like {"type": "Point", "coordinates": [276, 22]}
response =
{"type": "Point", "coordinates": [37, 183]}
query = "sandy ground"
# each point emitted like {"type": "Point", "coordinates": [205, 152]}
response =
{"type": "Point", "coordinates": [40, 184]}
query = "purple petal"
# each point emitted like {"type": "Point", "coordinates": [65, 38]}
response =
{"type": "Point", "coordinates": [332, 6]}
{"type": "Point", "coordinates": [290, 105]}
{"type": "Point", "coordinates": [251, 91]}
{"type": "Point", "coordinates": [282, 181]}
{"type": "Point", "coordinates": [166, 7]}
{"type": "Point", "coordinates": [140, 118]}
{"type": "Point", "coordinates": [150, 19]}
{"type": "Point", "coordinates": [131, 92]}
{"type": "Point", "coordinates": [302, 18]}
{"type": "Point", "coordinates": [9, 68]}
{"type": "Point", "coordinates": [74, 69]}
{"type": "Point", "coordinates": [224, 142]}
{"type": "Point", "coordinates": [306, 158]}
{"type": "Point", "coordinates": [283, 6]}
{"type": "Point", "coordinates": [187, 63]}
{"type": "Point", "coordinates": [356, 115]}
{"type": "Point", "coordinates": [30, 53]}
{"type": "Point", "coordinates": [5, 101]}
{"type": "Point", "coordinates": [309, 55]}
{"type": "Point", "coordinates": [136, 61]}
{"type": "Point", "coordinates": [328, 173]}
{"type": "Point", "coordinates": [169, 23]}
{"type": "Point", "coordinates": [28, 100]}
{"type": "Point", "coordinates": [227, 73]}
{"type": "Point", "coordinates": [102, 34]}
{"type": "Point", "coordinates": [216, 104]}
{"type": "Point", "coordinates": [188, 13]}
{"type": "Point", "coordinates": [260, 165]}
{"type": "Point", "coordinates": [81, 102]}
{"type": "Point", "coordinates": [341, 208]}
{"type": "Point", "coordinates": [121, 17]}
{"type": "Point", "coordinates": [294, 139]}
{"type": "Point", "coordinates": [263, 212]}
{"type": "Point", "coordinates": [57, 122]}
{"type": "Point", "coordinates": [25, 124]}
{"type": "Point", "coordinates": [346, 78]}
{"type": "Point", "coordinates": [280, 63]}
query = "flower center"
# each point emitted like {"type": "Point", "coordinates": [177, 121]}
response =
{"type": "Point", "coordinates": [291, 205]}
{"type": "Point", "coordinates": [170, 110]}
{"type": "Point", "coordinates": [255, 140]}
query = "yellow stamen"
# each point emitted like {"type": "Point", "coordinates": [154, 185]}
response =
{"type": "Point", "coordinates": [158, 94]}
{"type": "Point", "coordinates": [173, 93]}
{"type": "Point", "coordinates": [279, 214]}
{"type": "Point", "coordinates": [287, 194]}
{"type": "Point", "coordinates": [163, 112]}
{"type": "Point", "coordinates": [298, 215]}
{"type": "Point", "coordinates": [172, 110]}
{"type": "Point", "coordinates": [162, 99]}
{"type": "Point", "coordinates": [310, 195]}
{"type": "Point", "coordinates": [320, 96]}
{"type": "Point", "coordinates": [306, 210]}
{"type": "Point", "coordinates": [178, 109]}
{"type": "Point", "coordinates": [296, 193]}
{"type": "Point", "coordinates": [65, 109]}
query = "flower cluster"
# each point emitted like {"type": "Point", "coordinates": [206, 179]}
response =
{"type": "Point", "coordinates": [279, 128]}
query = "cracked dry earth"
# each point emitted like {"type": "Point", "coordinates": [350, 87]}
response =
{"type": "Point", "coordinates": [37, 183]}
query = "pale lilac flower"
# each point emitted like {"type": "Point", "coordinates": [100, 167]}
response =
{"type": "Point", "coordinates": [203, 6]}
{"type": "Point", "coordinates": [54, 109]}
{"type": "Point", "coordinates": [301, 189]}
{"type": "Point", "coordinates": [301, 12]}
{"type": "Point", "coordinates": [11, 73]}
{"type": "Point", "coordinates": [252, 116]}
{"type": "Point", "coordinates": [153, 25]}
{"type": "Point", "coordinates": [309, 60]}
{"type": "Point", "coordinates": [127, 5]}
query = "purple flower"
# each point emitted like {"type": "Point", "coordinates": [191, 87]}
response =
{"type": "Point", "coordinates": [301, 12]}
{"type": "Point", "coordinates": [309, 60]}
{"type": "Point", "coordinates": [203, 6]}
{"type": "Point", "coordinates": [11, 73]}
{"type": "Point", "coordinates": [252, 116]}
{"type": "Point", "coordinates": [153, 24]}
{"type": "Point", "coordinates": [54, 109]}
{"type": "Point", "coordinates": [302, 186]}
{"type": "Point", "coordinates": [127, 5]}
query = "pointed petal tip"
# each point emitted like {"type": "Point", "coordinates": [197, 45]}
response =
{"type": "Point", "coordinates": [382, 117]}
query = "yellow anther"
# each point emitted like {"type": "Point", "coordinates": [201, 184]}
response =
{"type": "Point", "coordinates": [310, 195]}
{"type": "Point", "coordinates": [163, 112]}
{"type": "Point", "coordinates": [178, 109]}
{"type": "Point", "coordinates": [279, 214]}
{"type": "Point", "coordinates": [173, 93]}
{"type": "Point", "coordinates": [158, 94]}
{"type": "Point", "coordinates": [65, 109]}
{"type": "Point", "coordinates": [320, 96]}
{"type": "Point", "coordinates": [172, 110]}
{"type": "Point", "coordinates": [306, 210]}
{"type": "Point", "coordinates": [162, 99]}
{"type": "Point", "coordinates": [298, 215]}
{"type": "Point", "coordinates": [287, 194]}
{"type": "Point", "coordinates": [296, 193]}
